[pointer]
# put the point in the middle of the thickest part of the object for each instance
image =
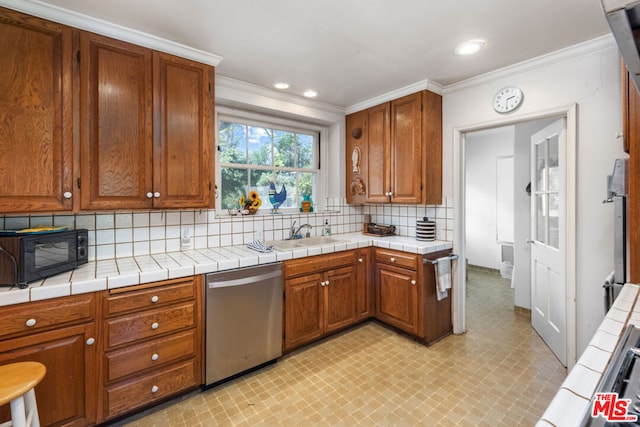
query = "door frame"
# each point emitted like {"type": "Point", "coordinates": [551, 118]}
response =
{"type": "Point", "coordinates": [459, 211]}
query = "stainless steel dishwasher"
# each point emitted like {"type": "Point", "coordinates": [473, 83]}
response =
{"type": "Point", "coordinates": [243, 327]}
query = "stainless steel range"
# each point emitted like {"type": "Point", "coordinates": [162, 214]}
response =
{"type": "Point", "coordinates": [622, 377]}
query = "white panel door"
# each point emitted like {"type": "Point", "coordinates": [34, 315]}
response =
{"type": "Point", "coordinates": [548, 260]}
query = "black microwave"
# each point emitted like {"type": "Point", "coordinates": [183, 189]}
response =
{"type": "Point", "coordinates": [25, 258]}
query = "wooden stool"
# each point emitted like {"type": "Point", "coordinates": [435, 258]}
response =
{"type": "Point", "coordinates": [17, 381]}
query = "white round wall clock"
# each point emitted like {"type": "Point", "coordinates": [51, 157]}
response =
{"type": "Point", "coordinates": [507, 99]}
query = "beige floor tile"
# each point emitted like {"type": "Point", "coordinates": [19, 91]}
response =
{"type": "Point", "coordinates": [499, 373]}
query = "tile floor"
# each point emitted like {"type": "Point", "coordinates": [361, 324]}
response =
{"type": "Point", "coordinates": [499, 373]}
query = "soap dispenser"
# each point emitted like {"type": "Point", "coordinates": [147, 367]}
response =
{"type": "Point", "coordinates": [327, 228]}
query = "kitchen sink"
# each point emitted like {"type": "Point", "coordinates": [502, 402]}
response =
{"type": "Point", "coordinates": [286, 245]}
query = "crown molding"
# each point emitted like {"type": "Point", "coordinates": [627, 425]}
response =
{"type": "Point", "coordinates": [95, 25]}
{"type": "Point", "coordinates": [224, 82]}
{"type": "Point", "coordinates": [395, 94]}
{"type": "Point", "coordinates": [562, 55]}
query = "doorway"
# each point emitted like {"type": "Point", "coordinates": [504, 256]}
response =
{"type": "Point", "coordinates": [520, 132]}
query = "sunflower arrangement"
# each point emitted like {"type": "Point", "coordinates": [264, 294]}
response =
{"type": "Point", "coordinates": [252, 202]}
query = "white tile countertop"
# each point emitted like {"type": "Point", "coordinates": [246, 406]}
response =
{"type": "Point", "coordinates": [571, 402]}
{"type": "Point", "coordinates": [119, 272]}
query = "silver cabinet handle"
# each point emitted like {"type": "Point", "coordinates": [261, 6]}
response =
{"type": "Point", "coordinates": [149, 195]}
{"type": "Point", "coordinates": [154, 299]}
{"type": "Point", "coordinates": [322, 284]}
{"type": "Point", "coordinates": [155, 356]}
{"type": "Point", "coordinates": [392, 259]}
{"type": "Point", "coordinates": [360, 260]}
{"type": "Point", "coordinates": [413, 282]}
{"type": "Point", "coordinates": [154, 325]}
{"type": "Point", "coordinates": [326, 283]}
{"type": "Point", "coordinates": [67, 195]}
{"type": "Point", "coordinates": [154, 389]}
{"type": "Point", "coordinates": [156, 194]}
{"type": "Point", "coordinates": [30, 323]}
{"type": "Point", "coordinates": [91, 341]}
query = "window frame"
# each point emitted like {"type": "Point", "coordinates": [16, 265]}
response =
{"type": "Point", "coordinates": [278, 123]}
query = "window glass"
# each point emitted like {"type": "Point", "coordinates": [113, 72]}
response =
{"type": "Point", "coordinates": [254, 155]}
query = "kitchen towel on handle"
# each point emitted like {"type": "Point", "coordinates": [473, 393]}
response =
{"type": "Point", "coordinates": [257, 245]}
{"type": "Point", "coordinates": [443, 277]}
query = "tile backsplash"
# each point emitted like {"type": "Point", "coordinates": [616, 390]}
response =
{"type": "Point", "coordinates": [125, 234]}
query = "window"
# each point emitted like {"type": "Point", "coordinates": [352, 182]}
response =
{"type": "Point", "coordinates": [254, 154]}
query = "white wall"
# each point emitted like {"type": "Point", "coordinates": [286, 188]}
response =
{"type": "Point", "coordinates": [589, 76]}
{"type": "Point", "coordinates": [482, 149]}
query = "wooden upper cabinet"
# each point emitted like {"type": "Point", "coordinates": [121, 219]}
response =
{"type": "Point", "coordinates": [630, 111]}
{"type": "Point", "coordinates": [432, 147]}
{"type": "Point", "coordinates": [146, 127]}
{"type": "Point", "coordinates": [400, 151]}
{"type": "Point", "coordinates": [406, 149]}
{"type": "Point", "coordinates": [116, 124]}
{"type": "Point", "coordinates": [183, 108]}
{"type": "Point", "coordinates": [378, 154]}
{"type": "Point", "coordinates": [36, 161]}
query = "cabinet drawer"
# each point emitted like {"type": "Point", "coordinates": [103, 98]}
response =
{"type": "Point", "coordinates": [317, 263]}
{"type": "Point", "coordinates": [158, 352]}
{"type": "Point", "coordinates": [35, 316]}
{"type": "Point", "coordinates": [401, 259]}
{"type": "Point", "coordinates": [151, 323]}
{"type": "Point", "coordinates": [142, 299]}
{"type": "Point", "coordinates": [149, 388]}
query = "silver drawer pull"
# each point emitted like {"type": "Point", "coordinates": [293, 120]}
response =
{"type": "Point", "coordinates": [393, 259]}
{"type": "Point", "coordinates": [322, 284]}
{"type": "Point", "coordinates": [413, 282]}
{"type": "Point", "coordinates": [149, 195]}
{"type": "Point", "coordinates": [326, 283]}
{"type": "Point", "coordinates": [31, 322]}
{"type": "Point", "coordinates": [154, 356]}
{"type": "Point", "coordinates": [91, 341]}
{"type": "Point", "coordinates": [154, 325]}
{"type": "Point", "coordinates": [154, 389]}
{"type": "Point", "coordinates": [360, 260]}
{"type": "Point", "coordinates": [154, 299]}
{"type": "Point", "coordinates": [67, 194]}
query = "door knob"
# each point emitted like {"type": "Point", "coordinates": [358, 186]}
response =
{"type": "Point", "coordinates": [156, 194]}
{"type": "Point", "coordinates": [149, 195]}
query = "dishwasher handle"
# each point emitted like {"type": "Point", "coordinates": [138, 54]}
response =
{"type": "Point", "coordinates": [212, 283]}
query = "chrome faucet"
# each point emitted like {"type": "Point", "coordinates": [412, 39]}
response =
{"type": "Point", "coordinates": [294, 232]}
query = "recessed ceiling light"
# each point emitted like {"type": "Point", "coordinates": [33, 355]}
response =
{"type": "Point", "coordinates": [470, 47]}
{"type": "Point", "coordinates": [310, 93]}
{"type": "Point", "coordinates": [281, 85]}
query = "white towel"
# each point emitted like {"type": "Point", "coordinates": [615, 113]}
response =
{"type": "Point", "coordinates": [443, 277]}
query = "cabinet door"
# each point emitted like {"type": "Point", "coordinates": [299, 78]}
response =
{"type": "Point", "coordinates": [339, 298]}
{"type": "Point", "coordinates": [397, 297]}
{"type": "Point", "coordinates": [406, 149]}
{"type": "Point", "coordinates": [356, 157]}
{"type": "Point", "coordinates": [67, 394]}
{"type": "Point", "coordinates": [303, 310]}
{"type": "Point", "coordinates": [115, 124]}
{"type": "Point", "coordinates": [35, 114]}
{"type": "Point", "coordinates": [432, 147]}
{"type": "Point", "coordinates": [364, 284]}
{"type": "Point", "coordinates": [378, 154]}
{"type": "Point", "coordinates": [183, 140]}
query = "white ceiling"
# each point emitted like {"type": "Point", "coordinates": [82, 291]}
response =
{"type": "Point", "coordinates": [353, 50]}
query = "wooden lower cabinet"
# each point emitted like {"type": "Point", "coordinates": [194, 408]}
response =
{"type": "Point", "coordinates": [364, 281]}
{"type": "Point", "coordinates": [320, 297]}
{"type": "Point", "coordinates": [397, 297]}
{"type": "Point", "coordinates": [153, 347]}
{"type": "Point", "coordinates": [64, 339]}
{"type": "Point", "coordinates": [405, 292]}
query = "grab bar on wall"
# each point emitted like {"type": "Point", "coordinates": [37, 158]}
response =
{"type": "Point", "coordinates": [435, 261]}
